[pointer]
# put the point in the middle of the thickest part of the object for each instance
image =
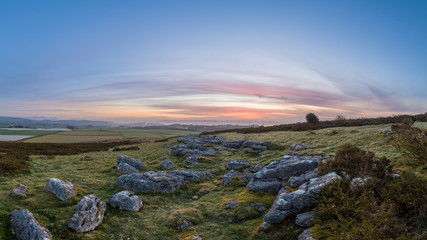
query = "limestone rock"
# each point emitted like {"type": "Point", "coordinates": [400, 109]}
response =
{"type": "Point", "coordinates": [89, 214]}
{"type": "Point", "coordinates": [167, 164]}
{"type": "Point", "coordinates": [306, 235]}
{"type": "Point", "coordinates": [296, 146]}
{"type": "Point", "coordinates": [126, 200]}
{"type": "Point", "coordinates": [228, 177]}
{"type": "Point", "coordinates": [231, 205]}
{"type": "Point", "coordinates": [258, 206]}
{"type": "Point", "coordinates": [268, 185]}
{"type": "Point", "coordinates": [126, 168]}
{"type": "Point", "coordinates": [62, 190]}
{"type": "Point", "coordinates": [237, 164]}
{"type": "Point", "coordinates": [131, 161]}
{"type": "Point", "coordinates": [20, 191]}
{"type": "Point", "coordinates": [305, 220]}
{"type": "Point", "coordinates": [147, 182]}
{"type": "Point", "coordinates": [26, 226]}
{"type": "Point", "coordinates": [191, 176]}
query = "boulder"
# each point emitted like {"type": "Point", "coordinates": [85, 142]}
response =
{"type": "Point", "coordinates": [148, 182]}
{"type": "Point", "coordinates": [26, 226]}
{"type": "Point", "coordinates": [62, 190]}
{"type": "Point", "coordinates": [194, 160]}
{"type": "Point", "coordinates": [131, 161]}
{"type": "Point", "coordinates": [167, 164]}
{"type": "Point", "coordinates": [298, 147]}
{"type": "Point", "coordinates": [89, 214]}
{"type": "Point", "coordinates": [20, 191]}
{"type": "Point", "coordinates": [285, 168]}
{"type": "Point", "coordinates": [288, 203]}
{"type": "Point", "coordinates": [231, 205]}
{"type": "Point", "coordinates": [228, 177]}
{"type": "Point", "coordinates": [267, 185]}
{"type": "Point", "coordinates": [126, 168]}
{"type": "Point", "coordinates": [294, 181]}
{"type": "Point", "coordinates": [126, 200]}
{"type": "Point", "coordinates": [305, 220]}
{"type": "Point", "coordinates": [191, 176]}
{"type": "Point", "coordinates": [237, 164]}
{"type": "Point", "coordinates": [306, 235]}
{"type": "Point", "coordinates": [257, 168]}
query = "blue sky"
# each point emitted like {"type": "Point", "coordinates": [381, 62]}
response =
{"type": "Point", "coordinates": [239, 60]}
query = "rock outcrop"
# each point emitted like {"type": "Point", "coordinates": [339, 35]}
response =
{"type": "Point", "coordinates": [20, 191]}
{"type": "Point", "coordinates": [89, 214]}
{"type": "Point", "coordinates": [62, 190]}
{"type": "Point", "coordinates": [26, 226]}
{"type": "Point", "coordinates": [126, 200]}
{"type": "Point", "coordinates": [288, 203]}
{"type": "Point", "coordinates": [149, 182]}
{"type": "Point", "coordinates": [237, 164]}
{"type": "Point", "coordinates": [126, 168]}
{"type": "Point", "coordinates": [131, 161]}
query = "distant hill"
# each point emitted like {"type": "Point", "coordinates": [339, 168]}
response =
{"type": "Point", "coordinates": [24, 122]}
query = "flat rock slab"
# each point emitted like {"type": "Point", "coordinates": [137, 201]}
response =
{"type": "Point", "coordinates": [148, 182]}
{"type": "Point", "coordinates": [26, 226]}
{"type": "Point", "coordinates": [126, 200]}
{"type": "Point", "coordinates": [89, 214]}
{"type": "Point", "coordinates": [62, 190]}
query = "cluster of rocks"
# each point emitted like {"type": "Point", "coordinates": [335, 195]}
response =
{"type": "Point", "coordinates": [159, 182]}
{"type": "Point", "coordinates": [196, 146]}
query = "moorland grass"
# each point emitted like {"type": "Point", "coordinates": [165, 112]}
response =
{"type": "Point", "coordinates": [96, 172]}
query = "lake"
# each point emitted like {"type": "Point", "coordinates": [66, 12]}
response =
{"type": "Point", "coordinates": [13, 137]}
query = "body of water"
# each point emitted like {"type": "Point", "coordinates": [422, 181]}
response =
{"type": "Point", "coordinates": [13, 137]}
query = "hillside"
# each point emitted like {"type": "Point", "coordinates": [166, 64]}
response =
{"type": "Point", "coordinates": [203, 202]}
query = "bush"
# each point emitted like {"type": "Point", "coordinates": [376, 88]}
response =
{"type": "Point", "coordinates": [411, 141]}
{"type": "Point", "coordinates": [355, 162]}
{"type": "Point", "coordinates": [340, 118]}
{"type": "Point", "coordinates": [311, 118]}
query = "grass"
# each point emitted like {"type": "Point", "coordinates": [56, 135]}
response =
{"type": "Point", "coordinates": [102, 134]}
{"type": "Point", "coordinates": [96, 172]}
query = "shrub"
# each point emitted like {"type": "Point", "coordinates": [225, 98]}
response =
{"type": "Point", "coordinates": [311, 118]}
{"type": "Point", "coordinates": [411, 141]}
{"type": "Point", "coordinates": [355, 162]}
{"type": "Point", "coordinates": [190, 214]}
{"type": "Point", "coordinates": [340, 118]}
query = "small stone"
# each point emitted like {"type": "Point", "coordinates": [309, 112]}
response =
{"type": "Point", "coordinates": [185, 226]}
{"type": "Point", "coordinates": [20, 191]}
{"type": "Point", "coordinates": [167, 164]}
{"type": "Point", "coordinates": [126, 200]}
{"type": "Point", "coordinates": [258, 206]}
{"type": "Point", "coordinates": [231, 205]}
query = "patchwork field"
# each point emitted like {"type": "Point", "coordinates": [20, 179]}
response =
{"type": "Point", "coordinates": [88, 135]}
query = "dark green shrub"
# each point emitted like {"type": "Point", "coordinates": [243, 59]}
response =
{"type": "Point", "coordinates": [411, 141]}
{"type": "Point", "coordinates": [311, 118]}
{"type": "Point", "coordinates": [355, 162]}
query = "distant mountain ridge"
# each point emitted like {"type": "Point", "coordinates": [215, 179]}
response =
{"type": "Point", "coordinates": [25, 122]}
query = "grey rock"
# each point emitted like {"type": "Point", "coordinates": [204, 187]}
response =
{"type": "Point", "coordinates": [257, 168]}
{"type": "Point", "coordinates": [298, 147]}
{"type": "Point", "coordinates": [131, 161]}
{"type": "Point", "coordinates": [192, 160]}
{"type": "Point", "coordinates": [191, 237]}
{"type": "Point", "coordinates": [126, 168]}
{"type": "Point", "coordinates": [297, 181]}
{"type": "Point", "coordinates": [237, 164]}
{"type": "Point", "coordinates": [258, 206]}
{"type": "Point", "coordinates": [185, 226]}
{"type": "Point", "coordinates": [267, 185]}
{"type": "Point", "coordinates": [228, 177]}
{"type": "Point", "coordinates": [20, 191]}
{"type": "Point", "coordinates": [126, 200]}
{"type": "Point", "coordinates": [258, 145]}
{"type": "Point", "coordinates": [89, 214]}
{"type": "Point", "coordinates": [231, 205]}
{"type": "Point", "coordinates": [167, 145]}
{"type": "Point", "coordinates": [62, 190]}
{"type": "Point", "coordinates": [285, 168]}
{"type": "Point", "coordinates": [288, 203]}
{"type": "Point", "coordinates": [359, 181]}
{"type": "Point", "coordinates": [386, 131]}
{"type": "Point", "coordinates": [191, 176]}
{"type": "Point", "coordinates": [247, 176]}
{"type": "Point", "coordinates": [147, 182]}
{"type": "Point", "coordinates": [26, 226]}
{"type": "Point", "coordinates": [305, 220]}
{"type": "Point", "coordinates": [306, 235]}
{"type": "Point", "coordinates": [167, 164]}
{"type": "Point", "coordinates": [394, 175]}
{"type": "Point", "coordinates": [163, 155]}
{"type": "Point", "coordinates": [234, 144]}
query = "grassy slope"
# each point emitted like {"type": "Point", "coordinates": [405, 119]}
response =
{"type": "Point", "coordinates": [99, 174]}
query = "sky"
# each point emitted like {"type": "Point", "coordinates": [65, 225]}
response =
{"type": "Point", "coordinates": [241, 61]}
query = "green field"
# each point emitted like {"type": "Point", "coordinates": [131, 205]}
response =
{"type": "Point", "coordinates": [25, 132]}
{"type": "Point", "coordinates": [103, 134]}
{"type": "Point", "coordinates": [204, 201]}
